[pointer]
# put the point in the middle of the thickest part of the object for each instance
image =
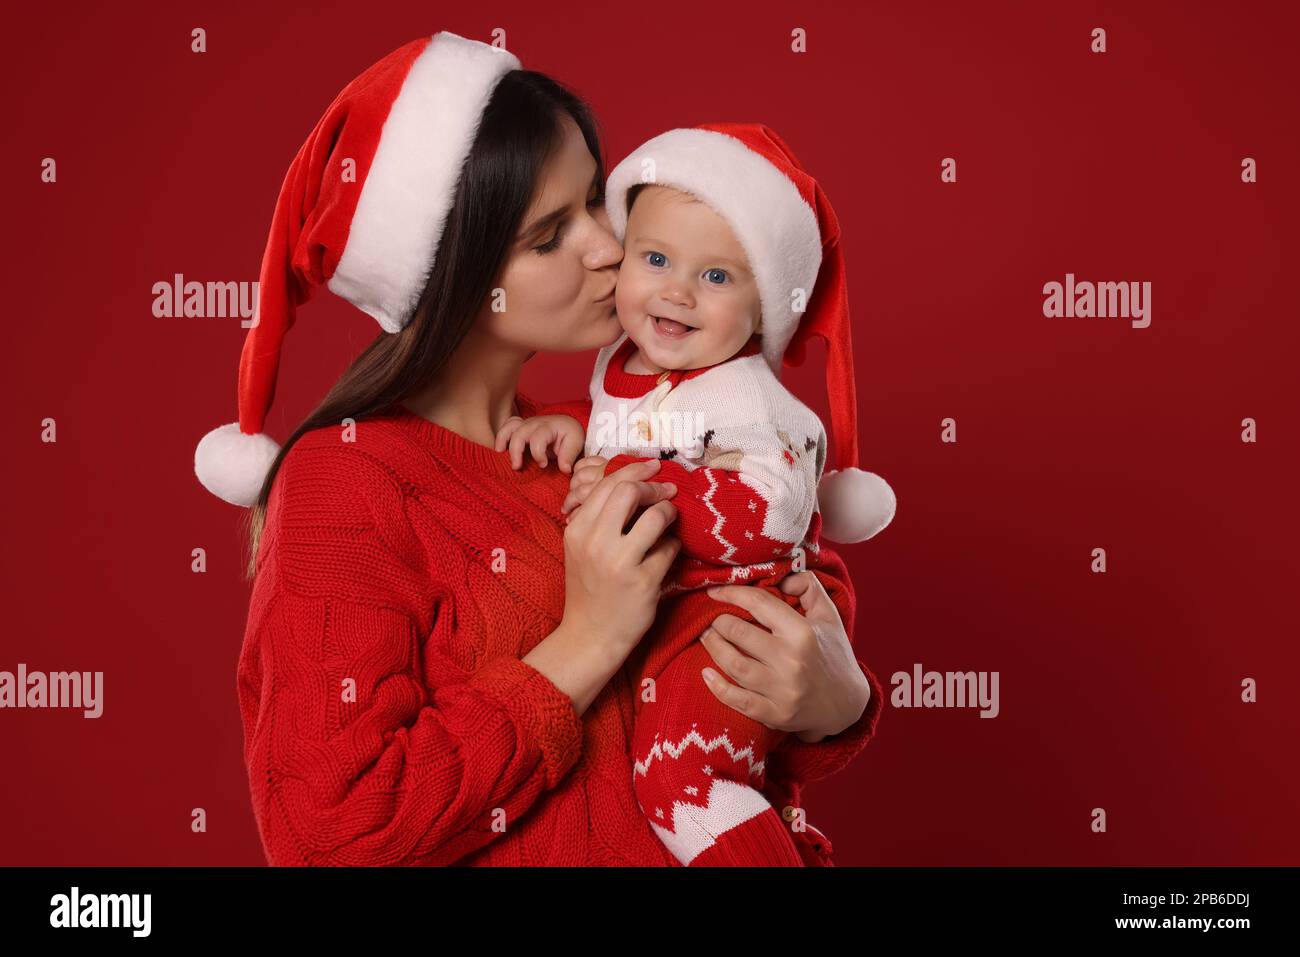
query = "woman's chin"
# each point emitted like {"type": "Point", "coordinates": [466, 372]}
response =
{"type": "Point", "coordinates": [603, 331]}
{"type": "Point", "coordinates": [611, 329]}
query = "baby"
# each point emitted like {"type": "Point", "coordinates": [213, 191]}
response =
{"type": "Point", "coordinates": [688, 303]}
{"type": "Point", "coordinates": [722, 248]}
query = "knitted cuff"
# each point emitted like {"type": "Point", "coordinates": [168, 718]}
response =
{"type": "Point", "coordinates": [803, 762]}
{"type": "Point", "coordinates": [762, 841]}
{"type": "Point", "coordinates": [544, 714]}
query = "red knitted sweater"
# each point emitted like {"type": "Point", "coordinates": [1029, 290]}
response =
{"type": "Point", "coordinates": [388, 718]}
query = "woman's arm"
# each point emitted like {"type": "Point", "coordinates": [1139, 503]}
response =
{"type": "Point", "coordinates": [817, 686]}
{"type": "Point", "coordinates": [364, 746]}
{"type": "Point", "coordinates": [811, 761]}
{"type": "Point", "coordinates": [403, 773]}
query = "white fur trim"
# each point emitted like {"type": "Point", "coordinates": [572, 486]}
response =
{"type": "Point", "coordinates": [412, 180]}
{"type": "Point", "coordinates": [772, 221]}
{"type": "Point", "coordinates": [855, 505]}
{"type": "Point", "coordinates": [232, 465]}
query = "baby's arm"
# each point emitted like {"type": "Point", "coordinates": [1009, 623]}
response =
{"type": "Point", "coordinates": [561, 433]}
{"type": "Point", "coordinates": [754, 476]}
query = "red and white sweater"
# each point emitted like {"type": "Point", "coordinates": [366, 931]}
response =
{"type": "Point", "coordinates": [746, 453]}
{"type": "Point", "coordinates": [746, 456]}
{"type": "Point", "coordinates": [387, 716]}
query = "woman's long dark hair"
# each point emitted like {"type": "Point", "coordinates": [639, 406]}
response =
{"type": "Point", "coordinates": [521, 125]}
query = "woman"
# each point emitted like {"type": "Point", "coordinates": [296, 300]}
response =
{"type": "Point", "coordinates": [432, 670]}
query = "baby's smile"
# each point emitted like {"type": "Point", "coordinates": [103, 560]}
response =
{"type": "Point", "coordinates": [670, 328]}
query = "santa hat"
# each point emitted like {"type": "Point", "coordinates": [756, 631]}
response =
{"type": "Point", "coordinates": [361, 212]}
{"type": "Point", "coordinates": [791, 236]}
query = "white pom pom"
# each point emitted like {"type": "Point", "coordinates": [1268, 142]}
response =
{"type": "Point", "coordinates": [232, 465]}
{"type": "Point", "coordinates": [854, 505]}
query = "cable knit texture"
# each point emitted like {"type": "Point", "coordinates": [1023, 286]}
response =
{"type": "Point", "coordinates": [404, 571]}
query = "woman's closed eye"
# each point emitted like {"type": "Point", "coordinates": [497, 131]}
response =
{"type": "Point", "coordinates": [553, 243]}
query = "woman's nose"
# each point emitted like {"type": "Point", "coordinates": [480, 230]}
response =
{"type": "Point", "coordinates": [607, 250]}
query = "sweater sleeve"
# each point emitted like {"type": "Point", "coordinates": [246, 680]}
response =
{"type": "Point", "coordinates": [355, 754]}
{"type": "Point", "coordinates": [806, 762]}
{"type": "Point", "coordinates": [803, 761]}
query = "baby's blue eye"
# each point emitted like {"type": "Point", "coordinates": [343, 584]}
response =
{"type": "Point", "coordinates": [655, 258]}
{"type": "Point", "coordinates": [722, 273]}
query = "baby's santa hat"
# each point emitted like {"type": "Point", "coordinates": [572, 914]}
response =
{"type": "Point", "coordinates": [361, 212]}
{"type": "Point", "coordinates": [791, 236]}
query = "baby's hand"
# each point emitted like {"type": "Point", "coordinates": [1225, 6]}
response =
{"type": "Point", "coordinates": [562, 434]}
{"type": "Point", "coordinates": [586, 473]}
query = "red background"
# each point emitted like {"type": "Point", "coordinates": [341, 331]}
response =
{"type": "Point", "coordinates": [1119, 691]}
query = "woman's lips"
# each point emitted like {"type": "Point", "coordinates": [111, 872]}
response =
{"type": "Point", "coordinates": [671, 328]}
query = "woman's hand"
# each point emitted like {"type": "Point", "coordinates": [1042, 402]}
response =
{"type": "Point", "coordinates": [612, 578]}
{"type": "Point", "coordinates": [802, 675]}
{"type": "Point", "coordinates": [611, 581]}
{"type": "Point", "coordinates": [586, 473]}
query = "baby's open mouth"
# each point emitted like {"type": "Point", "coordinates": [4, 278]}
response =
{"type": "Point", "coordinates": [671, 328]}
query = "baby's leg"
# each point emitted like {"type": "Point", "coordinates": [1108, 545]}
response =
{"type": "Point", "coordinates": [698, 773]}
